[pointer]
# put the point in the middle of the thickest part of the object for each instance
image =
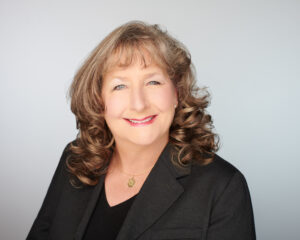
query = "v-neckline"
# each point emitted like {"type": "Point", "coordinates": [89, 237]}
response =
{"type": "Point", "coordinates": [119, 204]}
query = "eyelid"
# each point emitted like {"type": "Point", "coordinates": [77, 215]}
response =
{"type": "Point", "coordinates": [155, 81]}
{"type": "Point", "coordinates": [115, 88]}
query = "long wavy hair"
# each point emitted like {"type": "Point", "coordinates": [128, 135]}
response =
{"type": "Point", "coordinates": [191, 131]}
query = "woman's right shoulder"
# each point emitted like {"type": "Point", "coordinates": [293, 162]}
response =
{"type": "Point", "coordinates": [62, 169]}
{"type": "Point", "coordinates": [69, 144]}
{"type": "Point", "coordinates": [67, 150]}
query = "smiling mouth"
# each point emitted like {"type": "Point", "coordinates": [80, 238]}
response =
{"type": "Point", "coordinates": [146, 120]}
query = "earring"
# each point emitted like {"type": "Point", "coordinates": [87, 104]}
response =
{"type": "Point", "coordinates": [175, 105]}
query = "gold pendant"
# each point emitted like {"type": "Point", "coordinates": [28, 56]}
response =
{"type": "Point", "coordinates": [131, 182]}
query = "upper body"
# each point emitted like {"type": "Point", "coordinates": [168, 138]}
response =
{"type": "Point", "coordinates": [196, 202]}
{"type": "Point", "coordinates": [144, 131]}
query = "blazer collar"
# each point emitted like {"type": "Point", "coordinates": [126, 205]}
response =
{"type": "Point", "coordinates": [160, 190]}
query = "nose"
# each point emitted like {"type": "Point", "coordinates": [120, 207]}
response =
{"type": "Point", "coordinates": [138, 99]}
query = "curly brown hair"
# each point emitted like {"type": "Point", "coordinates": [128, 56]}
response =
{"type": "Point", "coordinates": [191, 131]}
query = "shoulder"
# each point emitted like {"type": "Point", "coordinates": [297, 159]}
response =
{"type": "Point", "coordinates": [221, 188]}
{"type": "Point", "coordinates": [67, 151]}
{"type": "Point", "coordinates": [219, 175]}
{"type": "Point", "coordinates": [61, 171]}
{"type": "Point", "coordinates": [217, 168]}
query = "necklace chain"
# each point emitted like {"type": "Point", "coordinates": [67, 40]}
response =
{"type": "Point", "coordinates": [131, 180]}
{"type": "Point", "coordinates": [139, 174]}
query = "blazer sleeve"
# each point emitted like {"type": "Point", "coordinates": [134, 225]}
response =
{"type": "Point", "coordinates": [43, 221]}
{"type": "Point", "coordinates": [232, 215]}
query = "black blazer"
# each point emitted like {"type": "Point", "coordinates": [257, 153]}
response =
{"type": "Point", "coordinates": [209, 202]}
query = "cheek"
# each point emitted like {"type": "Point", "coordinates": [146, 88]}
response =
{"type": "Point", "coordinates": [115, 106]}
{"type": "Point", "coordinates": [164, 98]}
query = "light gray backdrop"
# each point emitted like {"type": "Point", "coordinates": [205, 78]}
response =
{"type": "Point", "coordinates": [246, 52]}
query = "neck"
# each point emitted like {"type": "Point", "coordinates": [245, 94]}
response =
{"type": "Point", "coordinates": [135, 159]}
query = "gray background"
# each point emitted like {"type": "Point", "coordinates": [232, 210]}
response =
{"type": "Point", "coordinates": [246, 52]}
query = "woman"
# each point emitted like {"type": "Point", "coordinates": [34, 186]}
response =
{"type": "Point", "coordinates": [143, 165]}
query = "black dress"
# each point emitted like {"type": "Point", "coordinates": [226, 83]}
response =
{"type": "Point", "coordinates": [106, 221]}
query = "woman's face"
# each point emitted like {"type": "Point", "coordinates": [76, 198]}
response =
{"type": "Point", "coordinates": [139, 104]}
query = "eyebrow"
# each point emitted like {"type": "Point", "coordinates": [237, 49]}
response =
{"type": "Point", "coordinates": [149, 75]}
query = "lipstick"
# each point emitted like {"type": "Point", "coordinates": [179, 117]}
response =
{"type": "Point", "coordinates": [141, 122]}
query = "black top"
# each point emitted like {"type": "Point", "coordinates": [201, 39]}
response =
{"type": "Point", "coordinates": [106, 221]}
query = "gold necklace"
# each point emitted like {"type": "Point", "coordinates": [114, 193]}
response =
{"type": "Point", "coordinates": [131, 180]}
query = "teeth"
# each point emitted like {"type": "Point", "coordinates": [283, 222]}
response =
{"type": "Point", "coordinates": [146, 120]}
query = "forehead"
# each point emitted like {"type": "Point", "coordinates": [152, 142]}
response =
{"type": "Point", "coordinates": [123, 57]}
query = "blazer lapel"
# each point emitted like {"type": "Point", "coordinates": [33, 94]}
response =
{"type": "Point", "coordinates": [160, 190]}
{"type": "Point", "coordinates": [89, 209]}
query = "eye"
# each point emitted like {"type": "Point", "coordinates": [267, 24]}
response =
{"type": "Point", "coordinates": [154, 83]}
{"type": "Point", "coordinates": [119, 87]}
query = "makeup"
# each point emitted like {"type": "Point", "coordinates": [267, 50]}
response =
{"type": "Point", "coordinates": [141, 122]}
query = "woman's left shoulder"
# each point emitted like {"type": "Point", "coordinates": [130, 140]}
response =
{"type": "Point", "coordinates": [218, 172]}
{"type": "Point", "coordinates": [222, 189]}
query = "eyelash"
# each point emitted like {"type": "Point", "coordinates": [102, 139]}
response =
{"type": "Point", "coordinates": [156, 82]}
{"type": "Point", "coordinates": [117, 87]}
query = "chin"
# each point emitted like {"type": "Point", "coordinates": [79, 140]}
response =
{"type": "Point", "coordinates": [146, 140]}
{"type": "Point", "coordinates": [143, 142]}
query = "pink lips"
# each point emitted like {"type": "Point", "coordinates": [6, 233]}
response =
{"type": "Point", "coordinates": [141, 123]}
